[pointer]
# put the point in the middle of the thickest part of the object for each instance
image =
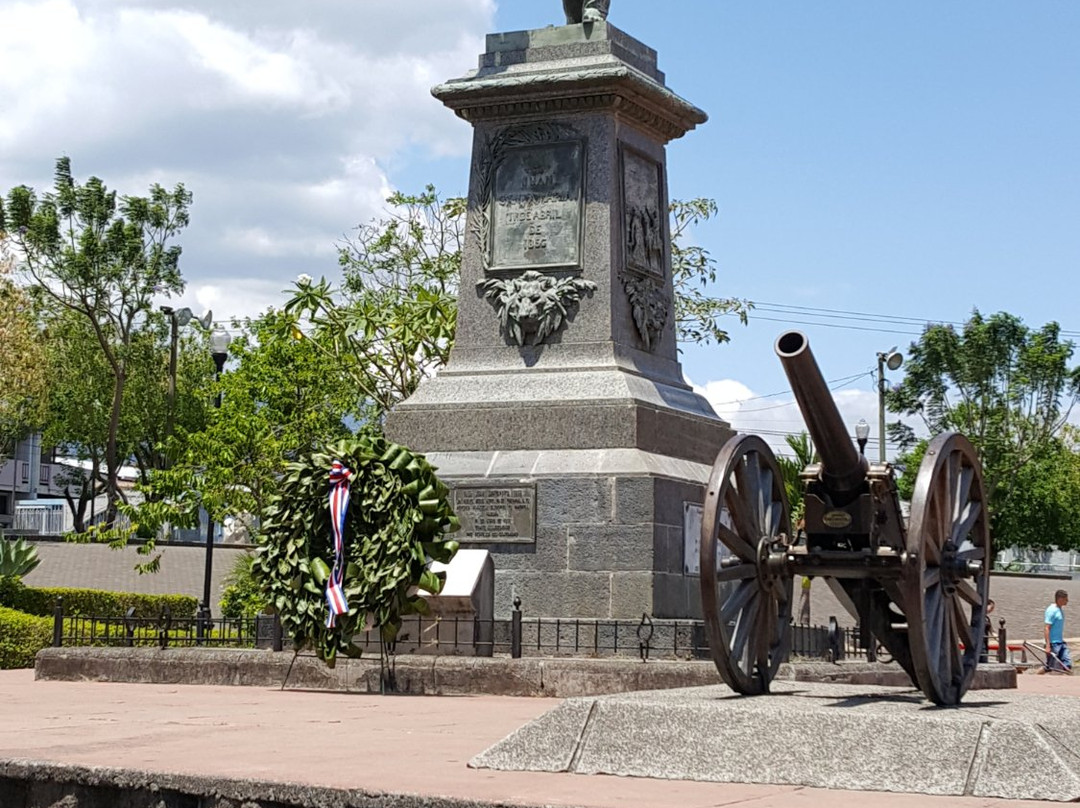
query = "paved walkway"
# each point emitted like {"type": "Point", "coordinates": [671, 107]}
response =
{"type": "Point", "coordinates": [417, 745]}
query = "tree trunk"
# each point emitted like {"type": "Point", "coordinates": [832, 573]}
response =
{"type": "Point", "coordinates": [112, 461]}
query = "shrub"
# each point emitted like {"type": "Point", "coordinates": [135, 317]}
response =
{"type": "Point", "coordinates": [91, 602]}
{"type": "Point", "coordinates": [21, 637]}
{"type": "Point", "coordinates": [243, 596]}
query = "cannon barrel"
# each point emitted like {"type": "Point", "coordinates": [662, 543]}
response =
{"type": "Point", "coordinates": [843, 468]}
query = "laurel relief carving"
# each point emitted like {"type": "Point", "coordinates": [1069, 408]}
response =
{"type": "Point", "coordinates": [650, 306]}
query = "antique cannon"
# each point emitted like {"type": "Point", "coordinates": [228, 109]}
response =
{"type": "Point", "coordinates": [919, 588]}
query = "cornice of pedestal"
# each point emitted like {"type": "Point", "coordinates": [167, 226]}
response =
{"type": "Point", "coordinates": [583, 74]}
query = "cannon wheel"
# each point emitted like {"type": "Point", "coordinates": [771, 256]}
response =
{"type": "Point", "coordinates": [745, 516]}
{"type": "Point", "coordinates": [946, 601]}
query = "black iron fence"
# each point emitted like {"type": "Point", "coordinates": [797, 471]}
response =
{"type": "Point", "coordinates": [516, 636]}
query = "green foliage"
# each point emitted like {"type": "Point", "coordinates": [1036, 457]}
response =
{"type": "Point", "coordinates": [243, 595]}
{"type": "Point", "coordinates": [693, 270]}
{"type": "Point", "coordinates": [17, 557]}
{"type": "Point", "coordinates": [398, 515]}
{"type": "Point", "coordinates": [791, 468]}
{"type": "Point", "coordinates": [91, 602]}
{"type": "Point", "coordinates": [282, 398]}
{"type": "Point", "coordinates": [394, 317]}
{"type": "Point", "coordinates": [25, 386]}
{"type": "Point", "coordinates": [1009, 389]}
{"type": "Point", "coordinates": [101, 260]}
{"type": "Point", "coordinates": [21, 637]}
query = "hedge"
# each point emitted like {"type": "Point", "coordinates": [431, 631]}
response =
{"type": "Point", "coordinates": [91, 602]}
{"type": "Point", "coordinates": [21, 637]}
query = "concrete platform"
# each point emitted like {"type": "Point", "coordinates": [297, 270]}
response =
{"type": "Point", "coordinates": [557, 677]}
{"type": "Point", "coordinates": [86, 741]}
{"type": "Point", "coordinates": [807, 734]}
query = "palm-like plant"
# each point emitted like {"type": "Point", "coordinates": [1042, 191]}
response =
{"type": "Point", "coordinates": [17, 558]}
{"type": "Point", "coordinates": [791, 468]}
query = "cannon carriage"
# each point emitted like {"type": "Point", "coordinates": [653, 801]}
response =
{"type": "Point", "coordinates": [920, 588]}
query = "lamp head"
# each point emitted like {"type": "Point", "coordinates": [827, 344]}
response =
{"type": "Point", "coordinates": [219, 341]}
{"type": "Point", "coordinates": [862, 434]}
{"type": "Point", "coordinates": [183, 316]}
{"type": "Point", "coordinates": [894, 360]}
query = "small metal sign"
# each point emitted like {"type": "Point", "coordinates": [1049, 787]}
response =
{"type": "Point", "coordinates": [494, 514]}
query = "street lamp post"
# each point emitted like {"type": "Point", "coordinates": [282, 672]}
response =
{"type": "Point", "coordinates": [219, 349]}
{"type": "Point", "coordinates": [892, 360]}
{"type": "Point", "coordinates": [177, 319]}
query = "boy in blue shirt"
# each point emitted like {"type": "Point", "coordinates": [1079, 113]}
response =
{"type": "Point", "coordinates": [1054, 631]}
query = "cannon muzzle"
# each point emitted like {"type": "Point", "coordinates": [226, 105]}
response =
{"type": "Point", "coordinates": [842, 467]}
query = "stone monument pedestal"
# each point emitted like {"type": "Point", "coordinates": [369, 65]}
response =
{"type": "Point", "coordinates": [575, 449]}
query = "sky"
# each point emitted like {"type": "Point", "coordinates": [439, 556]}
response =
{"type": "Point", "coordinates": [876, 166]}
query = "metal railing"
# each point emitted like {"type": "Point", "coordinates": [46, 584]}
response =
{"type": "Point", "coordinates": [516, 637]}
{"type": "Point", "coordinates": [164, 631]}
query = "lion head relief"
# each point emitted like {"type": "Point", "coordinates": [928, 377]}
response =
{"type": "Point", "coordinates": [533, 306]}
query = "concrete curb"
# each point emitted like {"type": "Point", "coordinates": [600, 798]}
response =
{"type": "Point", "coordinates": [438, 675]}
{"type": "Point", "coordinates": [30, 784]}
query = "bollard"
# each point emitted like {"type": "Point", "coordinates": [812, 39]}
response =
{"type": "Point", "coordinates": [58, 623]}
{"type": "Point", "coordinates": [1003, 642]}
{"type": "Point", "coordinates": [515, 630]}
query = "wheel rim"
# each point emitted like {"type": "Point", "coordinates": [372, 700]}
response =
{"type": "Point", "coordinates": [746, 604]}
{"type": "Point", "coordinates": [948, 532]}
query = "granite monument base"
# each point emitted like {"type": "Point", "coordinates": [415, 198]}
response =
{"type": "Point", "coordinates": [582, 533]}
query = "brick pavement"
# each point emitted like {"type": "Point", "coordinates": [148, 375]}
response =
{"type": "Point", "coordinates": [396, 744]}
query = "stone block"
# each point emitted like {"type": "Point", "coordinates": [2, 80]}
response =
{"type": "Point", "coordinates": [668, 550]}
{"type": "Point", "coordinates": [634, 500]}
{"type": "Point", "coordinates": [631, 594]}
{"type": "Point", "coordinates": [548, 554]}
{"type": "Point", "coordinates": [573, 500]}
{"type": "Point", "coordinates": [611, 547]}
{"type": "Point", "coordinates": [670, 496]}
{"type": "Point", "coordinates": [571, 594]}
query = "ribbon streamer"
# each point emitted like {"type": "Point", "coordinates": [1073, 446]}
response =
{"type": "Point", "coordinates": [339, 506]}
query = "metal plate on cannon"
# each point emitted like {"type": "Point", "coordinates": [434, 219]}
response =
{"type": "Point", "coordinates": [536, 219]}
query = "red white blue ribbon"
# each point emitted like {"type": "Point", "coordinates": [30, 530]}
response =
{"type": "Point", "coordinates": [339, 506]}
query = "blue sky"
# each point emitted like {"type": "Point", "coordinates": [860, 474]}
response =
{"type": "Point", "coordinates": [909, 160]}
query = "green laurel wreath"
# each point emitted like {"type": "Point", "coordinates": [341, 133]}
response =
{"type": "Point", "coordinates": [398, 518]}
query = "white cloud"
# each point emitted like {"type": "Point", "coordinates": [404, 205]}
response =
{"type": "Point", "coordinates": [281, 118]}
{"type": "Point", "coordinates": [774, 417]}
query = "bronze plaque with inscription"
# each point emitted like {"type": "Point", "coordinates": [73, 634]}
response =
{"type": "Point", "coordinates": [644, 212]}
{"type": "Point", "coordinates": [495, 514]}
{"type": "Point", "coordinates": [537, 201]}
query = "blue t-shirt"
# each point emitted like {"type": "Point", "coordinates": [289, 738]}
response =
{"type": "Point", "coordinates": [1056, 620]}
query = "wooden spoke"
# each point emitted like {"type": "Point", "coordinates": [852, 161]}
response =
{"type": "Point", "coordinates": [737, 544]}
{"type": "Point", "coordinates": [968, 593]}
{"type": "Point", "coordinates": [740, 572]}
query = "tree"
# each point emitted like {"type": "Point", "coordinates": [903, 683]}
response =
{"type": "Point", "coordinates": [393, 318]}
{"type": "Point", "coordinates": [1010, 390]}
{"type": "Point", "coordinates": [282, 397]}
{"type": "Point", "coordinates": [102, 259]}
{"type": "Point", "coordinates": [23, 376]}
